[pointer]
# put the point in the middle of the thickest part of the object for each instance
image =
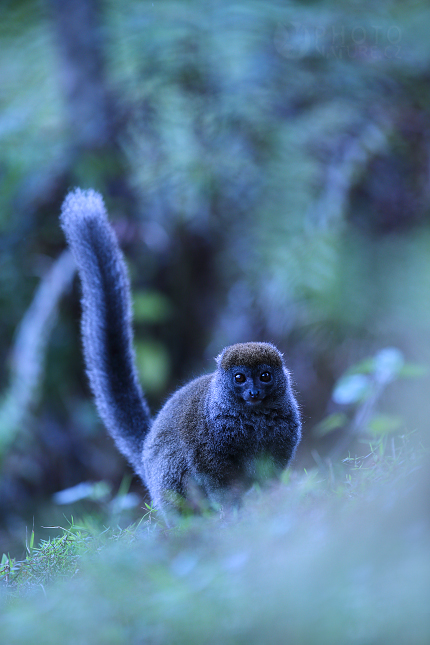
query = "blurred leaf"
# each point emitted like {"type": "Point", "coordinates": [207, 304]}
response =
{"type": "Point", "coordinates": [153, 364]}
{"type": "Point", "coordinates": [381, 424]}
{"type": "Point", "coordinates": [83, 490]}
{"type": "Point", "coordinates": [151, 307]}
{"type": "Point", "coordinates": [414, 370]}
{"type": "Point", "coordinates": [388, 363]}
{"type": "Point", "coordinates": [366, 366]}
{"type": "Point", "coordinates": [351, 389]}
{"type": "Point", "coordinates": [332, 422]}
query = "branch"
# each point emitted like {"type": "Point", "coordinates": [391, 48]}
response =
{"type": "Point", "coordinates": [28, 352]}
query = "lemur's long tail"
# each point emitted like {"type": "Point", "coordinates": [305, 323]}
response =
{"type": "Point", "coordinates": [106, 322]}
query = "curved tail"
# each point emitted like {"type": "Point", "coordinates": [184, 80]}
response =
{"type": "Point", "coordinates": [106, 322]}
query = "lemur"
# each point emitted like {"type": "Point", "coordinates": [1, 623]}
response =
{"type": "Point", "coordinates": [208, 440]}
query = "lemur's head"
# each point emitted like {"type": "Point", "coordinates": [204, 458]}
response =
{"type": "Point", "coordinates": [253, 372]}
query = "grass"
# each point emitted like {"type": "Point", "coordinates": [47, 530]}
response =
{"type": "Point", "coordinates": [336, 556]}
{"type": "Point", "coordinates": [60, 557]}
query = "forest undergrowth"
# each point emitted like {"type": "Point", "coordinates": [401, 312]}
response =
{"type": "Point", "coordinates": [335, 554]}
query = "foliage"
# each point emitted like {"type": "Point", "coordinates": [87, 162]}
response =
{"type": "Point", "coordinates": [358, 394]}
{"type": "Point", "coordinates": [267, 173]}
{"type": "Point", "coordinates": [334, 557]}
{"type": "Point", "coordinates": [266, 169]}
{"type": "Point", "coordinates": [59, 557]}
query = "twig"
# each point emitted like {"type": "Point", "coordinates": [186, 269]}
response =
{"type": "Point", "coordinates": [29, 349]}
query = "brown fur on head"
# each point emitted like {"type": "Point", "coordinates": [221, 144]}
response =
{"type": "Point", "coordinates": [250, 354]}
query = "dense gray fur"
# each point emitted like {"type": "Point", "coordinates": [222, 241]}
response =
{"type": "Point", "coordinates": [106, 322]}
{"type": "Point", "coordinates": [216, 435]}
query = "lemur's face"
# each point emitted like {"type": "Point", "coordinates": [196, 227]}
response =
{"type": "Point", "coordinates": [253, 385]}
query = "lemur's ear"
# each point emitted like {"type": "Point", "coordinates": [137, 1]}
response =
{"type": "Point", "coordinates": [218, 358]}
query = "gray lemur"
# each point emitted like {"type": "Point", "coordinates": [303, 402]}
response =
{"type": "Point", "coordinates": [209, 441]}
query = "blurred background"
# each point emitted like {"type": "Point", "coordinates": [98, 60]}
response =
{"type": "Point", "coordinates": [266, 166]}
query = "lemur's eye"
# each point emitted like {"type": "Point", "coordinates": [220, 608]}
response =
{"type": "Point", "coordinates": [265, 377]}
{"type": "Point", "coordinates": [240, 378]}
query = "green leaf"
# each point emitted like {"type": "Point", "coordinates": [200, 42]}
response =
{"type": "Point", "coordinates": [385, 365]}
{"type": "Point", "coordinates": [366, 366]}
{"type": "Point", "coordinates": [414, 370]}
{"type": "Point", "coordinates": [332, 422]}
{"type": "Point", "coordinates": [151, 307]}
{"type": "Point", "coordinates": [153, 364]}
{"type": "Point", "coordinates": [381, 424]}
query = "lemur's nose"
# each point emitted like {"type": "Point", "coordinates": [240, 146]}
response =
{"type": "Point", "coordinates": [254, 394]}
